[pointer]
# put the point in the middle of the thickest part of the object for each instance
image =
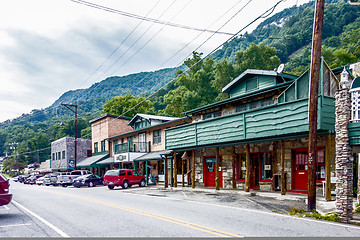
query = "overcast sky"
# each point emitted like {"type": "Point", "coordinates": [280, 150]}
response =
{"type": "Point", "coordinates": [50, 47]}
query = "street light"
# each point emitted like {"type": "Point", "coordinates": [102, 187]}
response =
{"type": "Point", "coordinates": [73, 108]}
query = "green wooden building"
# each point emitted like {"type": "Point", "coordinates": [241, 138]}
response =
{"type": "Point", "coordinates": [259, 135]}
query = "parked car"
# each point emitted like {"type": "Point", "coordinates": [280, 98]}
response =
{"type": "Point", "coordinates": [40, 180]}
{"type": "Point", "coordinates": [55, 178]}
{"type": "Point", "coordinates": [89, 180]}
{"type": "Point", "coordinates": [67, 180]}
{"type": "Point", "coordinates": [124, 178]}
{"type": "Point", "coordinates": [32, 180]}
{"type": "Point", "coordinates": [47, 180]}
{"type": "Point", "coordinates": [23, 178]}
{"type": "Point", "coordinates": [5, 196]}
{"type": "Point", "coordinates": [16, 179]}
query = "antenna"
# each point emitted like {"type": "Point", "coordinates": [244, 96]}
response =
{"type": "Point", "coordinates": [280, 68]}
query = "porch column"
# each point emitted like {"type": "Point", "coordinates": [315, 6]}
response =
{"type": "Point", "coordinates": [217, 181]}
{"type": "Point", "coordinates": [233, 168]}
{"type": "Point", "coordinates": [147, 173]}
{"type": "Point", "coordinates": [248, 168]}
{"type": "Point", "coordinates": [344, 159]}
{"type": "Point", "coordinates": [182, 173]}
{"type": "Point", "coordinates": [175, 170]}
{"type": "Point", "coordinates": [193, 169]}
{"type": "Point", "coordinates": [166, 183]}
{"type": "Point", "coordinates": [328, 168]}
{"type": "Point", "coordinates": [171, 173]}
{"type": "Point", "coordinates": [283, 180]}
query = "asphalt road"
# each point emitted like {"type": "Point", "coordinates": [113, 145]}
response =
{"type": "Point", "coordinates": [40, 211]}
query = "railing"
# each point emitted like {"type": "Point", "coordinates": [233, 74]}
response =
{"type": "Point", "coordinates": [131, 147]}
{"type": "Point", "coordinates": [355, 106]}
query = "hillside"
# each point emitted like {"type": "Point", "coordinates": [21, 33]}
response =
{"type": "Point", "coordinates": [289, 31]}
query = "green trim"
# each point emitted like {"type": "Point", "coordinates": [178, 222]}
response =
{"type": "Point", "coordinates": [237, 98]}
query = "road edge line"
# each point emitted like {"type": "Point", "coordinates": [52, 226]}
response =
{"type": "Point", "coordinates": [53, 227]}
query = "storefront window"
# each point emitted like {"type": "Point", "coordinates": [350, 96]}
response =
{"type": "Point", "coordinates": [301, 162]}
{"type": "Point", "coordinates": [241, 166]}
{"type": "Point", "coordinates": [267, 166]}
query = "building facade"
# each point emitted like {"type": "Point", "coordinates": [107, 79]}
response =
{"type": "Point", "coordinates": [258, 138]}
{"type": "Point", "coordinates": [63, 153]}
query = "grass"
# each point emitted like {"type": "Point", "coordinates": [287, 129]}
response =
{"type": "Point", "coordinates": [333, 217]}
{"type": "Point", "coordinates": [357, 208]}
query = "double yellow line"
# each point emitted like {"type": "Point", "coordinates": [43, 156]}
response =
{"type": "Point", "coordinates": [198, 227]}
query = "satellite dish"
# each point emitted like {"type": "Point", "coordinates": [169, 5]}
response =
{"type": "Point", "coordinates": [280, 69]}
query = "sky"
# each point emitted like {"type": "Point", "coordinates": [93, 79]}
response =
{"type": "Point", "coordinates": [50, 47]}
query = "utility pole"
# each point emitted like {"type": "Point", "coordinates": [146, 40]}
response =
{"type": "Point", "coordinates": [313, 100]}
{"type": "Point", "coordinates": [13, 146]}
{"type": "Point", "coordinates": [73, 108]}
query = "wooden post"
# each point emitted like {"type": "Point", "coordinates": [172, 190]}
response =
{"type": "Point", "coordinates": [217, 179]}
{"type": "Point", "coordinates": [175, 170]}
{"type": "Point", "coordinates": [182, 173]}
{"type": "Point", "coordinates": [171, 172]}
{"type": "Point", "coordinates": [328, 168]}
{"type": "Point", "coordinates": [248, 168]}
{"type": "Point", "coordinates": [193, 169]}
{"type": "Point", "coordinates": [274, 162]}
{"type": "Point", "coordinates": [313, 101]}
{"type": "Point", "coordinates": [166, 182]}
{"type": "Point", "coordinates": [233, 168]}
{"type": "Point", "coordinates": [283, 180]}
{"type": "Point", "coordinates": [147, 173]}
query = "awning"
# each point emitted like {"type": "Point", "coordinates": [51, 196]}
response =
{"type": "Point", "coordinates": [152, 156]}
{"type": "Point", "coordinates": [91, 160]}
{"type": "Point", "coordinates": [106, 161]}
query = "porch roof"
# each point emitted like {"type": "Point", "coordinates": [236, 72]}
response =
{"type": "Point", "coordinates": [152, 156]}
{"type": "Point", "coordinates": [91, 160]}
{"type": "Point", "coordinates": [106, 161]}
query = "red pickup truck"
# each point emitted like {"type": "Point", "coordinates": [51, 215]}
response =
{"type": "Point", "coordinates": [124, 178]}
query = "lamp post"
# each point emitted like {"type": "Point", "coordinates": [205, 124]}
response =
{"type": "Point", "coordinates": [73, 108]}
{"type": "Point", "coordinates": [13, 146]}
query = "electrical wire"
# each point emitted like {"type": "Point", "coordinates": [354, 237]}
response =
{"type": "Point", "coordinates": [131, 15]}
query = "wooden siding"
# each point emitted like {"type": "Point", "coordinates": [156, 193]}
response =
{"type": "Point", "coordinates": [262, 83]}
{"type": "Point", "coordinates": [326, 115]}
{"type": "Point", "coordinates": [354, 133]}
{"type": "Point", "coordinates": [270, 121]}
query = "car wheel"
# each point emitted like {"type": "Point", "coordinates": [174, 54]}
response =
{"type": "Point", "coordinates": [125, 184]}
{"type": "Point", "coordinates": [78, 186]}
{"type": "Point", "coordinates": [110, 187]}
{"type": "Point", "coordinates": [91, 184]}
{"type": "Point", "coordinates": [142, 183]}
{"type": "Point", "coordinates": [64, 185]}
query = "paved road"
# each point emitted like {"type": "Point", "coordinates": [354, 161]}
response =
{"type": "Point", "coordinates": [40, 211]}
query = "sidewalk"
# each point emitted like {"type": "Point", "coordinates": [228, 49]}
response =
{"type": "Point", "coordinates": [322, 206]}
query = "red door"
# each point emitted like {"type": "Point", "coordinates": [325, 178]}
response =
{"type": "Point", "coordinates": [209, 172]}
{"type": "Point", "coordinates": [301, 171]}
{"type": "Point", "coordinates": [255, 172]}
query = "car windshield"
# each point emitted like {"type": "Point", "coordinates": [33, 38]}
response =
{"type": "Point", "coordinates": [112, 173]}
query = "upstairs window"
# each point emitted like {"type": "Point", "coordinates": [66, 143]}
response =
{"type": "Point", "coordinates": [63, 154]}
{"type": "Point", "coordinates": [157, 137]}
{"type": "Point", "coordinates": [96, 147]}
{"type": "Point", "coordinates": [141, 124]}
{"type": "Point", "coordinates": [103, 145]}
{"type": "Point", "coordinates": [256, 104]}
{"type": "Point", "coordinates": [212, 115]}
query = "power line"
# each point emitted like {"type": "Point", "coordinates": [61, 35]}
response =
{"type": "Point", "coordinates": [117, 48]}
{"type": "Point", "coordinates": [131, 15]}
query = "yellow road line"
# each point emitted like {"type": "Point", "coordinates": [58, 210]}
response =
{"type": "Point", "coordinates": [153, 215]}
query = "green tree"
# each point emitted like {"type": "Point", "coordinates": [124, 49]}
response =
{"type": "Point", "coordinates": [127, 105]}
{"type": "Point", "coordinates": [257, 57]}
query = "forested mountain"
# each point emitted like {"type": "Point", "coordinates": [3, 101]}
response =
{"type": "Point", "coordinates": [282, 38]}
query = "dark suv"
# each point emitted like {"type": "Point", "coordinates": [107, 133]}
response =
{"type": "Point", "coordinates": [5, 196]}
{"type": "Point", "coordinates": [124, 178]}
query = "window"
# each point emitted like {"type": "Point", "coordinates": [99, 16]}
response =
{"type": "Point", "coordinates": [53, 156]}
{"type": "Point", "coordinates": [212, 115]}
{"type": "Point", "coordinates": [241, 108]}
{"type": "Point", "coordinates": [266, 102]}
{"type": "Point", "coordinates": [59, 156]}
{"type": "Point", "coordinates": [103, 145]}
{"type": "Point", "coordinates": [157, 137]}
{"type": "Point", "coordinates": [96, 147]}
{"type": "Point", "coordinates": [63, 154]}
{"type": "Point", "coordinates": [241, 167]}
{"type": "Point", "coordinates": [266, 166]}
{"type": "Point", "coordinates": [141, 124]}
{"type": "Point", "coordinates": [301, 162]}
